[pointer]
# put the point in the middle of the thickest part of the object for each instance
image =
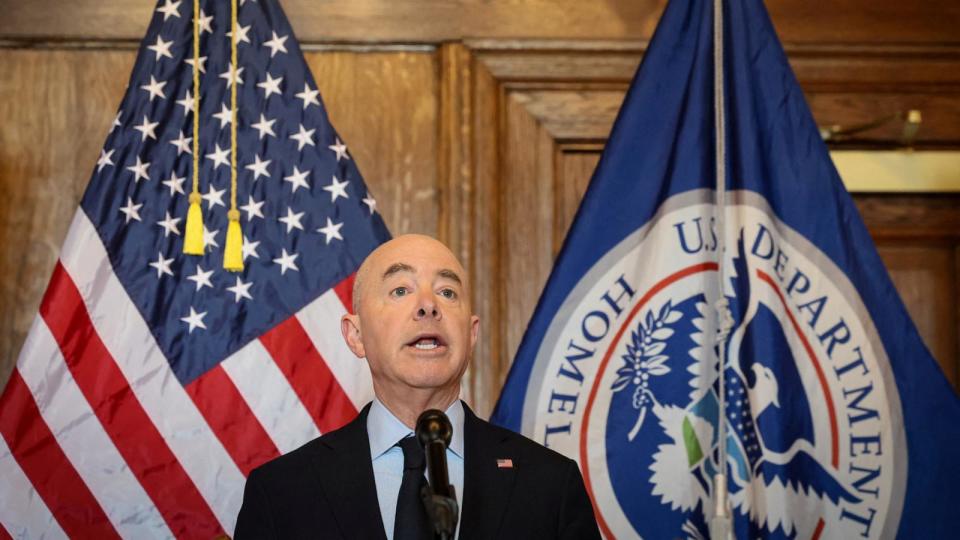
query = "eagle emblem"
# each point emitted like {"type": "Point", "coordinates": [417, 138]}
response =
{"type": "Point", "coordinates": [771, 447]}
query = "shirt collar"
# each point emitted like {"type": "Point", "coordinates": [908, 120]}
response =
{"type": "Point", "coordinates": [384, 429]}
{"type": "Point", "coordinates": [455, 414]}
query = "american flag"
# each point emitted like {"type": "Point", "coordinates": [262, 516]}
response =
{"type": "Point", "coordinates": [152, 382]}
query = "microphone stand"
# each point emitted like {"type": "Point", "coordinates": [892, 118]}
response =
{"type": "Point", "coordinates": [439, 497]}
{"type": "Point", "coordinates": [443, 513]}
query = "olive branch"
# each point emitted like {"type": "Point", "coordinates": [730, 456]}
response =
{"type": "Point", "coordinates": [645, 358]}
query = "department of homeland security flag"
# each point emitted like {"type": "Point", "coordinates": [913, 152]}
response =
{"type": "Point", "coordinates": [840, 423]}
{"type": "Point", "coordinates": [152, 382]}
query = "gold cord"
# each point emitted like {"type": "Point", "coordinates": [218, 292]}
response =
{"type": "Point", "coordinates": [233, 251]}
{"type": "Point", "coordinates": [193, 237]}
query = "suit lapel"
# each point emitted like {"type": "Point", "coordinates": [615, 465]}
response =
{"type": "Point", "coordinates": [487, 488]}
{"type": "Point", "coordinates": [345, 473]}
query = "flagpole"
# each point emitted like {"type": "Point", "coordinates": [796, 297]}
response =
{"type": "Point", "coordinates": [720, 526]}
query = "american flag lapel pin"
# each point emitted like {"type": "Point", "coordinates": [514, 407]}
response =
{"type": "Point", "coordinates": [504, 463]}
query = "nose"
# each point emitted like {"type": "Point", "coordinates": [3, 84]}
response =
{"type": "Point", "coordinates": [427, 308]}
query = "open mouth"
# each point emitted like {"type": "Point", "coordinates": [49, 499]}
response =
{"type": "Point", "coordinates": [426, 343]}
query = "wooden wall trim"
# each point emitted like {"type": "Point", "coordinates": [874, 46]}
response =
{"type": "Point", "coordinates": [932, 217]}
{"type": "Point", "coordinates": [455, 181]}
{"type": "Point", "coordinates": [843, 21]}
{"type": "Point", "coordinates": [472, 163]}
{"type": "Point", "coordinates": [922, 67]}
{"type": "Point", "coordinates": [845, 85]}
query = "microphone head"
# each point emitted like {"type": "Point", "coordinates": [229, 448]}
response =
{"type": "Point", "coordinates": [433, 425]}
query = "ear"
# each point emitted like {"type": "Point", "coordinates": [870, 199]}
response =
{"type": "Point", "coordinates": [474, 330]}
{"type": "Point", "coordinates": [350, 328]}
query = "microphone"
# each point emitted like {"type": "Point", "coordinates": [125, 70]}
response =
{"type": "Point", "coordinates": [434, 432]}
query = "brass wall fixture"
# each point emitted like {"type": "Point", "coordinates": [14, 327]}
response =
{"type": "Point", "coordinates": [910, 119]}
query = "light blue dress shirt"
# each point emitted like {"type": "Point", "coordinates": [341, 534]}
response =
{"type": "Point", "coordinates": [384, 431]}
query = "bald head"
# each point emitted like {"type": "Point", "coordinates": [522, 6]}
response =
{"type": "Point", "coordinates": [388, 259]}
{"type": "Point", "coordinates": [413, 324]}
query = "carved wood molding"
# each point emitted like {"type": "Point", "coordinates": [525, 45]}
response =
{"type": "Point", "coordinates": [845, 85]}
{"type": "Point", "coordinates": [930, 217]}
{"type": "Point", "coordinates": [845, 21]}
{"type": "Point", "coordinates": [508, 128]}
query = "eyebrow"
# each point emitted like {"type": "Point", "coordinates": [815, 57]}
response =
{"type": "Point", "coordinates": [446, 273]}
{"type": "Point", "coordinates": [396, 268]}
{"type": "Point", "coordinates": [451, 275]}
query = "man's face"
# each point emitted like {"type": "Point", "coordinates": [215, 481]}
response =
{"type": "Point", "coordinates": [413, 322]}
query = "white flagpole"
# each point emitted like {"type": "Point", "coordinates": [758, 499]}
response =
{"type": "Point", "coordinates": [720, 524]}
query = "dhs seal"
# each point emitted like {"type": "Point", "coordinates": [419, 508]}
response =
{"type": "Point", "coordinates": [627, 381]}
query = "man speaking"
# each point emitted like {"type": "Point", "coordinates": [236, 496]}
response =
{"type": "Point", "coordinates": [414, 325]}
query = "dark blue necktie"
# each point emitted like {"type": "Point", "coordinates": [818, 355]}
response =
{"type": "Point", "coordinates": [412, 522]}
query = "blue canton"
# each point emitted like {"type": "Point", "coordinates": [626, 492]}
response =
{"type": "Point", "coordinates": [308, 219]}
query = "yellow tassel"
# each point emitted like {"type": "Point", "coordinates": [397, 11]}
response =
{"type": "Point", "coordinates": [193, 241]}
{"type": "Point", "coordinates": [233, 254]}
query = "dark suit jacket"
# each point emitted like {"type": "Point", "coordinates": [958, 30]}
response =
{"type": "Point", "coordinates": [325, 489]}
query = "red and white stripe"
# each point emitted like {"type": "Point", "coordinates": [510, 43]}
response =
{"type": "Point", "coordinates": [99, 439]}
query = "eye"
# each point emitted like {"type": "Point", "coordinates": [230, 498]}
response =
{"type": "Point", "coordinates": [449, 294]}
{"type": "Point", "coordinates": [399, 291]}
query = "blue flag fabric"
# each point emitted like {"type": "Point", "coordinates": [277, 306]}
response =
{"type": "Point", "coordinates": [840, 424]}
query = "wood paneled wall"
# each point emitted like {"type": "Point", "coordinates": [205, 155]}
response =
{"type": "Point", "coordinates": [58, 104]}
{"type": "Point", "coordinates": [542, 113]}
{"type": "Point", "coordinates": [480, 122]}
